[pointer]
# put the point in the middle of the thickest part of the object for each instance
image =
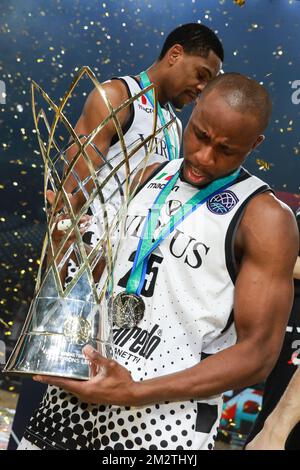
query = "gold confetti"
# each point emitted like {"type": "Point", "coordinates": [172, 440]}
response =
{"type": "Point", "coordinates": [2, 321]}
{"type": "Point", "coordinates": [89, 35]}
{"type": "Point", "coordinates": [263, 165]}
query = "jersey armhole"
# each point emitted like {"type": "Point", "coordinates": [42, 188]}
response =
{"type": "Point", "coordinates": [129, 122]}
{"type": "Point", "coordinates": [231, 262]}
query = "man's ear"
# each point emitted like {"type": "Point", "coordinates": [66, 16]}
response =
{"type": "Point", "coordinates": [258, 141]}
{"type": "Point", "coordinates": [174, 54]}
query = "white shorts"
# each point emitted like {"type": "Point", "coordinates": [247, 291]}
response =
{"type": "Point", "coordinates": [26, 445]}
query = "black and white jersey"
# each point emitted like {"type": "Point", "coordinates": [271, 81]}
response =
{"type": "Point", "coordinates": [137, 130]}
{"type": "Point", "coordinates": [189, 297]}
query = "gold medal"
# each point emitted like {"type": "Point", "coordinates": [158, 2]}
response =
{"type": "Point", "coordinates": [128, 310]}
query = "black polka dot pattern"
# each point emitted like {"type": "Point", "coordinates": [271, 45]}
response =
{"type": "Point", "coordinates": [170, 339]}
{"type": "Point", "coordinates": [105, 428]}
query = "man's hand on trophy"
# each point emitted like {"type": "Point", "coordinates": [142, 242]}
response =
{"type": "Point", "coordinates": [58, 234]}
{"type": "Point", "coordinates": [111, 383]}
{"type": "Point", "coordinates": [74, 200]}
{"type": "Point", "coordinates": [63, 223]}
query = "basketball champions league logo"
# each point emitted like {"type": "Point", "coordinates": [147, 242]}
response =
{"type": "Point", "coordinates": [222, 203]}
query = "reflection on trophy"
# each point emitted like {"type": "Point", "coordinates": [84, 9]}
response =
{"type": "Point", "coordinates": [63, 317]}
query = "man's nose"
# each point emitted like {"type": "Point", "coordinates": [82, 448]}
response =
{"type": "Point", "coordinates": [206, 157]}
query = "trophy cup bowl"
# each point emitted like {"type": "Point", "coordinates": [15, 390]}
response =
{"type": "Point", "coordinates": [64, 317]}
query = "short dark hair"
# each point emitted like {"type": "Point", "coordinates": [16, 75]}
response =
{"type": "Point", "coordinates": [195, 39]}
{"type": "Point", "coordinates": [243, 94]}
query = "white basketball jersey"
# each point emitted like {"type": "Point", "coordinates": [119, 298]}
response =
{"type": "Point", "coordinates": [140, 126]}
{"type": "Point", "coordinates": [188, 292]}
{"type": "Point", "coordinates": [189, 297]}
{"type": "Point", "coordinates": [189, 286]}
{"type": "Point", "coordinates": [138, 130]}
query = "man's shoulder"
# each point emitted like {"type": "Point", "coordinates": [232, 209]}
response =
{"type": "Point", "coordinates": [268, 207]}
{"type": "Point", "coordinates": [115, 90]}
{"type": "Point", "coordinates": [267, 220]}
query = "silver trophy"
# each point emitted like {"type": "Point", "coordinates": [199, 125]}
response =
{"type": "Point", "coordinates": [63, 317]}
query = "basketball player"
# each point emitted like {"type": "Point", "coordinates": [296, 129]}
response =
{"type": "Point", "coordinates": [208, 296]}
{"type": "Point", "coordinates": [191, 56]}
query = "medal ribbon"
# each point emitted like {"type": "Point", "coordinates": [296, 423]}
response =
{"type": "Point", "coordinates": [146, 243]}
{"type": "Point", "coordinates": [150, 95]}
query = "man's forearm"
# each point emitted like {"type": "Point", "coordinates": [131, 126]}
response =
{"type": "Point", "coordinates": [238, 366]}
{"type": "Point", "coordinates": [287, 413]}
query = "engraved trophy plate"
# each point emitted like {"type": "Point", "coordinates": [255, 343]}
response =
{"type": "Point", "coordinates": [63, 317]}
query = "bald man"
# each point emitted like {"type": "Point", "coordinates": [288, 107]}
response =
{"type": "Point", "coordinates": [205, 307]}
{"type": "Point", "coordinates": [191, 55]}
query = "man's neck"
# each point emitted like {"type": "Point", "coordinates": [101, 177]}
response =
{"type": "Point", "coordinates": [155, 76]}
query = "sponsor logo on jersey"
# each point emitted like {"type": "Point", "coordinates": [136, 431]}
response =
{"type": "Point", "coordinates": [142, 104]}
{"type": "Point", "coordinates": [144, 100]}
{"type": "Point", "coordinates": [167, 177]}
{"type": "Point", "coordinates": [222, 203]}
{"type": "Point", "coordinates": [163, 179]}
{"type": "Point", "coordinates": [136, 343]}
{"type": "Point", "coordinates": [154, 185]}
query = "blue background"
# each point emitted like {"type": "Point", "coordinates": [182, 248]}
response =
{"type": "Point", "coordinates": [49, 40]}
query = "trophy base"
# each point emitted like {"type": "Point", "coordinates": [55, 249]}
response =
{"type": "Point", "coordinates": [19, 373]}
{"type": "Point", "coordinates": [53, 355]}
